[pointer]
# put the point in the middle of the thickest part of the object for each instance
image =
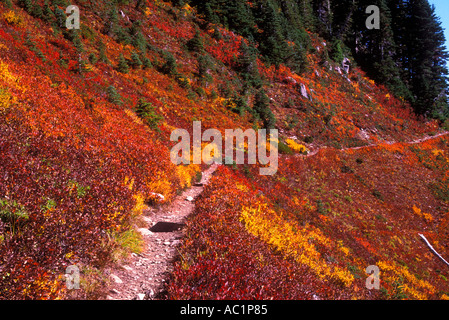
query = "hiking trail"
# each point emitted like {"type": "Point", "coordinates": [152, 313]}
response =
{"type": "Point", "coordinates": [413, 142]}
{"type": "Point", "coordinates": [142, 276]}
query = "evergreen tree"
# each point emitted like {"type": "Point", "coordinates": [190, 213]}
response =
{"type": "Point", "coordinates": [146, 62]}
{"type": "Point", "coordinates": [247, 66]}
{"type": "Point", "coordinates": [399, 18]}
{"type": "Point", "coordinates": [337, 53]}
{"type": "Point", "coordinates": [324, 14]}
{"type": "Point", "coordinates": [93, 58]}
{"type": "Point", "coordinates": [375, 50]}
{"type": "Point", "coordinates": [27, 5]}
{"type": "Point", "coordinates": [305, 8]}
{"type": "Point", "coordinates": [102, 52]}
{"type": "Point", "coordinates": [204, 65]}
{"type": "Point", "coordinates": [343, 12]}
{"type": "Point", "coordinates": [262, 108]}
{"type": "Point", "coordinates": [48, 14]}
{"type": "Point", "coordinates": [240, 18]}
{"type": "Point", "coordinates": [122, 64]}
{"type": "Point", "coordinates": [37, 11]}
{"type": "Point", "coordinates": [426, 59]}
{"type": "Point", "coordinates": [135, 28]}
{"type": "Point", "coordinates": [139, 42]}
{"type": "Point", "coordinates": [210, 14]}
{"type": "Point", "coordinates": [147, 112]}
{"type": "Point", "coordinates": [178, 3]}
{"type": "Point", "coordinates": [135, 60]}
{"type": "Point", "coordinates": [196, 43]}
{"type": "Point", "coordinates": [273, 45]}
{"type": "Point", "coordinates": [122, 35]}
{"type": "Point", "coordinates": [60, 17]}
{"type": "Point", "coordinates": [74, 36]}
{"type": "Point", "coordinates": [111, 21]}
{"type": "Point", "coordinates": [113, 96]}
{"type": "Point", "coordinates": [170, 66]}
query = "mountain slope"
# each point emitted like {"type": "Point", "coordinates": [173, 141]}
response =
{"type": "Point", "coordinates": [85, 143]}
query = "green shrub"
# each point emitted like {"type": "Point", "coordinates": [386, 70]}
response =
{"type": "Point", "coordinates": [284, 149]}
{"type": "Point", "coordinates": [102, 52]}
{"type": "Point", "coordinates": [27, 5]}
{"type": "Point", "coordinates": [146, 111]}
{"type": "Point", "coordinates": [122, 64]}
{"type": "Point", "coordinates": [308, 139]}
{"type": "Point", "coordinates": [13, 214]}
{"type": "Point", "coordinates": [337, 53]}
{"type": "Point", "coordinates": [183, 82]}
{"type": "Point", "coordinates": [48, 14]}
{"type": "Point", "coordinates": [37, 11]}
{"type": "Point", "coordinates": [204, 64]}
{"type": "Point", "coordinates": [262, 108]}
{"type": "Point", "coordinates": [378, 195]}
{"type": "Point", "coordinates": [135, 60]}
{"type": "Point", "coordinates": [122, 36]}
{"type": "Point", "coordinates": [170, 66]}
{"type": "Point", "coordinates": [93, 58]}
{"type": "Point", "coordinates": [33, 47]}
{"type": "Point", "coordinates": [196, 43]}
{"type": "Point", "coordinates": [113, 96]}
{"type": "Point", "coordinates": [146, 63]}
{"type": "Point", "coordinates": [200, 91]}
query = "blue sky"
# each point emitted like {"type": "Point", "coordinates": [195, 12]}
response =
{"type": "Point", "coordinates": [442, 10]}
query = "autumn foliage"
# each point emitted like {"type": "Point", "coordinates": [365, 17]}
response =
{"type": "Point", "coordinates": [84, 147]}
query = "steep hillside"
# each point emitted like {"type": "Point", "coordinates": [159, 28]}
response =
{"type": "Point", "coordinates": [85, 124]}
{"type": "Point", "coordinates": [325, 218]}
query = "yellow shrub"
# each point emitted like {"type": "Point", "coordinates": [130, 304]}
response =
{"type": "Point", "coordinates": [186, 174]}
{"type": "Point", "coordinates": [426, 216]}
{"type": "Point", "coordinates": [6, 100]}
{"type": "Point", "coordinates": [299, 148]}
{"type": "Point", "coordinates": [161, 186]}
{"type": "Point", "coordinates": [12, 18]}
{"type": "Point", "coordinates": [417, 288]}
{"type": "Point", "coordinates": [129, 182]}
{"type": "Point", "coordinates": [140, 205]}
{"type": "Point", "coordinates": [293, 242]}
{"type": "Point", "coordinates": [9, 79]}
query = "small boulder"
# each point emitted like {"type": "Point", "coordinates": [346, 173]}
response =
{"type": "Point", "coordinates": [144, 232]}
{"type": "Point", "coordinates": [116, 279]}
{"type": "Point", "coordinates": [346, 65]}
{"type": "Point", "coordinates": [157, 196]}
{"type": "Point", "coordinates": [304, 91]}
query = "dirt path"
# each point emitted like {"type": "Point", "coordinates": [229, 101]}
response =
{"type": "Point", "coordinates": [314, 152]}
{"type": "Point", "coordinates": [143, 275]}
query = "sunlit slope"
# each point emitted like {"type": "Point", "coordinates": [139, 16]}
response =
{"type": "Point", "coordinates": [84, 140]}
